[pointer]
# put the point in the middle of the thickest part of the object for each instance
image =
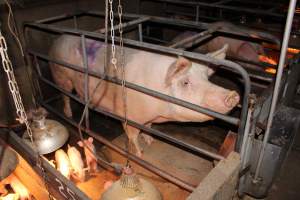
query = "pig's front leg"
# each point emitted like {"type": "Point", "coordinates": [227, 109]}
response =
{"type": "Point", "coordinates": [67, 106]}
{"type": "Point", "coordinates": [148, 139]}
{"type": "Point", "coordinates": [132, 134]}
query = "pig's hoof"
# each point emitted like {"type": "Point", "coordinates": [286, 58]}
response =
{"type": "Point", "coordinates": [68, 113]}
{"type": "Point", "coordinates": [148, 139]}
{"type": "Point", "coordinates": [139, 154]}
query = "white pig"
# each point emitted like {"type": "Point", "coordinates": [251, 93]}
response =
{"type": "Point", "coordinates": [91, 160]}
{"type": "Point", "coordinates": [63, 163]}
{"type": "Point", "coordinates": [78, 171]}
{"type": "Point", "coordinates": [174, 76]}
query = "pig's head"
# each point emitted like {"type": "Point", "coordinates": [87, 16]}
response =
{"type": "Point", "coordinates": [250, 51]}
{"type": "Point", "coordinates": [188, 81]}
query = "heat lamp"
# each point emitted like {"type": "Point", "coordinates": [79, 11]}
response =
{"type": "Point", "coordinates": [131, 187]}
{"type": "Point", "coordinates": [48, 135]}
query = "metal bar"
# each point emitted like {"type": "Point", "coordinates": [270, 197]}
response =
{"type": "Point", "coordinates": [144, 90]}
{"type": "Point", "coordinates": [222, 2]}
{"type": "Point", "coordinates": [139, 126]}
{"type": "Point", "coordinates": [197, 13]}
{"type": "Point", "coordinates": [86, 79]}
{"type": "Point", "coordinates": [123, 152]}
{"type": "Point", "coordinates": [220, 6]}
{"type": "Point", "coordinates": [58, 18]}
{"type": "Point", "coordinates": [140, 33]}
{"type": "Point", "coordinates": [128, 24]}
{"type": "Point", "coordinates": [283, 51]}
{"type": "Point", "coordinates": [155, 39]}
{"type": "Point", "coordinates": [196, 25]}
{"type": "Point", "coordinates": [193, 38]}
{"type": "Point", "coordinates": [75, 22]}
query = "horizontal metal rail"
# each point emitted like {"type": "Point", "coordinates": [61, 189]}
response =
{"type": "Point", "coordinates": [128, 24]}
{"type": "Point", "coordinates": [143, 163]}
{"type": "Point", "coordinates": [137, 125]}
{"type": "Point", "coordinates": [221, 6]}
{"type": "Point", "coordinates": [196, 25]}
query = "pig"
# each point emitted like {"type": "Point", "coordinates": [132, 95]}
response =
{"type": "Point", "coordinates": [239, 49]}
{"type": "Point", "coordinates": [78, 171]}
{"type": "Point", "coordinates": [63, 163]}
{"type": "Point", "coordinates": [90, 157]}
{"type": "Point", "coordinates": [175, 76]}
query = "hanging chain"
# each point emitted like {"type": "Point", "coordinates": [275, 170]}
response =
{"type": "Point", "coordinates": [122, 61]}
{"type": "Point", "coordinates": [112, 34]}
{"type": "Point", "coordinates": [20, 110]}
{"type": "Point", "coordinates": [13, 86]}
{"type": "Point", "coordinates": [122, 64]}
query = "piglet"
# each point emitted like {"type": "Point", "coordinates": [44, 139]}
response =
{"type": "Point", "coordinates": [18, 187]}
{"type": "Point", "coordinates": [11, 196]}
{"type": "Point", "coordinates": [89, 151]}
{"type": "Point", "coordinates": [63, 163]}
{"type": "Point", "coordinates": [78, 171]}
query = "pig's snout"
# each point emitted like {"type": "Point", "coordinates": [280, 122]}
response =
{"type": "Point", "coordinates": [232, 99]}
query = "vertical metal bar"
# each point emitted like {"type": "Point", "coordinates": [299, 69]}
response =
{"type": "Point", "coordinates": [246, 134]}
{"type": "Point", "coordinates": [138, 7]}
{"type": "Point", "coordinates": [140, 32]}
{"type": "Point", "coordinates": [38, 69]}
{"type": "Point", "coordinates": [283, 51]}
{"type": "Point", "coordinates": [86, 79]}
{"type": "Point", "coordinates": [106, 39]}
{"type": "Point", "coordinates": [197, 14]}
{"type": "Point", "coordinates": [75, 22]}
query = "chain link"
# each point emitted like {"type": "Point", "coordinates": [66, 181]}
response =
{"type": "Point", "coordinates": [112, 35]}
{"type": "Point", "coordinates": [20, 110]}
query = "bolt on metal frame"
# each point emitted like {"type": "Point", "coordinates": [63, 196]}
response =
{"type": "Point", "coordinates": [138, 20]}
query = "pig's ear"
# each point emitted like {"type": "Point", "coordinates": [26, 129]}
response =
{"type": "Point", "coordinates": [219, 54]}
{"type": "Point", "coordinates": [80, 143]}
{"type": "Point", "coordinates": [90, 139]}
{"type": "Point", "coordinates": [176, 69]}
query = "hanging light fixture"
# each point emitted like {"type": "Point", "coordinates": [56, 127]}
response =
{"type": "Point", "coordinates": [49, 135]}
{"type": "Point", "coordinates": [131, 187]}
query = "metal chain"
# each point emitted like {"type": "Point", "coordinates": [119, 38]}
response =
{"type": "Point", "coordinates": [13, 86]}
{"type": "Point", "coordinates": [122, 64]}
{"type": "Point", "coordinates": [112, 34]}
{"type": "Point", "coordinates": [20, 110]}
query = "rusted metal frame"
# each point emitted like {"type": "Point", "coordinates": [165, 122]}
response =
{"type": "Point", "coordinates": [59, 186]}
{"type": "Point", "coordinates": [166, 50]}
{"type": "Point", "coordinates": [123, 152]}
{"type": "Point", "coordinates": [128, 24]}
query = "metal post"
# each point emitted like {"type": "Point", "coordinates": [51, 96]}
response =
{"type": "Point", "coordinates": [86, 79]}
{"type": "Point", "coordinates": [140, 32]}
{"type": "Point", "coordinates": [75, 22]}
{"type": "Point", "coordinates": [286, 37]}
{"type": "Point", "coordinates": [197, 14]}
